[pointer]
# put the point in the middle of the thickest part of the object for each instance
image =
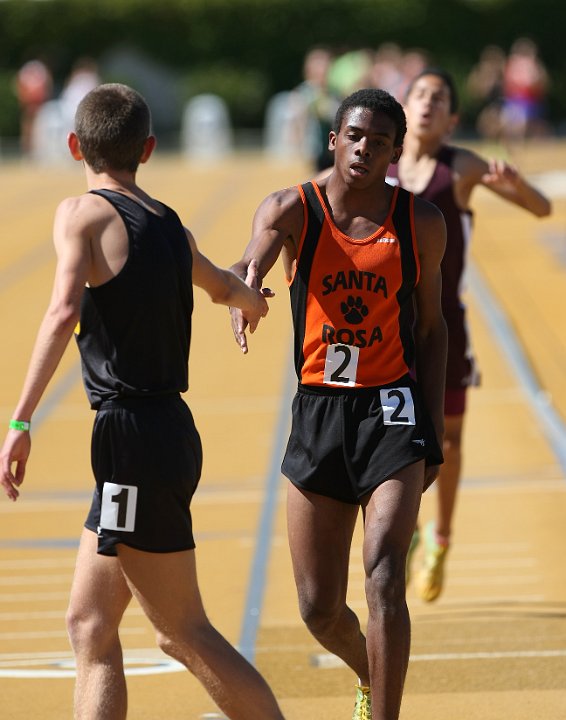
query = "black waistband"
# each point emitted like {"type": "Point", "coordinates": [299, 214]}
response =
{"type": "Point", "coordinates": [330, 390]}
{"type": "Point", "coordinates": [132, 402]}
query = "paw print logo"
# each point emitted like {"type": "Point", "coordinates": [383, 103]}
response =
{"type": "Point", "coordinates": [354, 310]}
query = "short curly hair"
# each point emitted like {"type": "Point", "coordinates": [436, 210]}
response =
{"type": "Point", "coordinates": [375, 100]}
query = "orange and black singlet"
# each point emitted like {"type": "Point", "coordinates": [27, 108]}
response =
{"type": "Point", "coordinates": [352, 299]}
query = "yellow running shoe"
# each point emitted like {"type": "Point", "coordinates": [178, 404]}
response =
{"type": "Point", "coordinates": [362, 708]}
{"type": "Point", "coordinates": [431, 576]}
{"type": "Point", "coordinates": [412, 547]}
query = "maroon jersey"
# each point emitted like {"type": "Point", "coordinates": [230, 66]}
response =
{"type": "Point", "coordinates": [440, 192]}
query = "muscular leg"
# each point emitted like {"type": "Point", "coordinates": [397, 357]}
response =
{"type": "Point", "coordinates": [449, 478]}
{"type": "Point", "coordinates": [320, 535]}
{"type": "Point", "coordinates": [99, 597]}
{"type": "Point", "coordinates": [390, 515]}
{"type": "Point", "coordinates": [166, 588]}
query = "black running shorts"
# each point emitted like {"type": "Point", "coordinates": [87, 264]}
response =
{"type": "Point", "coordinates": [345, 442]}
{"type": "Point", "coordinates": [147, 460]}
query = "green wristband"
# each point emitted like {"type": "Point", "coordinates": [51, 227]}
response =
{"type": "Point", "coordinates": [19, 425]}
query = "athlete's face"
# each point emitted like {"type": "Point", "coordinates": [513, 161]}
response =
{"type": "Point", "coordinates": [364, 146]}
{"type": "Point", "coordinates": [428, 108]}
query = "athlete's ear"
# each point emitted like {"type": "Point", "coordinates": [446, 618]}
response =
{"type": "Point", "coordinates": [454, 120]}
{"type": "Point", "coordinates": [74, 146]}
{"type": "Point", "coordinates": [148, 148]}
{"type": "Point", "coordinates": [397, 152]}
{"type": "Point", "coordinates": [332, 137]}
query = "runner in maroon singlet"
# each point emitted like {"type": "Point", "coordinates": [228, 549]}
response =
{"type": "Point", "coordinates": [446, 176]}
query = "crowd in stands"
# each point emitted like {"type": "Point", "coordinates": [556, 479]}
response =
{"type": "Point", "coordinates": [507, 90]}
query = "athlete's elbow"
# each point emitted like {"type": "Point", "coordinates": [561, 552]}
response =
{"type": "Point", "coordinates": [63, 316]}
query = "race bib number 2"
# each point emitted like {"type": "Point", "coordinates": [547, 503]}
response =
{"type": "Point", "coordinates": [398, 407]}
{"type": "Point", "coordinates": [118, 510]}
{"type": "Point", "coordinates": [341, 365]}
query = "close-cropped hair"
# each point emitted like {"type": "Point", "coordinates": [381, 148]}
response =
{"type": "Point", "coordinates": [375, 100]}
{"type": "Point", "coordinates": [112, 123]}
{"type": "Point", "coordinates": [448, 81]}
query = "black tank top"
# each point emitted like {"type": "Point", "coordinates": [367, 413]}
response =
{"type": "Point", "coordinates": [135, 329]}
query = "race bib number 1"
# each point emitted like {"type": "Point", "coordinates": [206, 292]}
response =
{"type": "Point", "coordinates": [398, 407]}
{"type": "Point", "coordinates": [118, 511]}
{"type": "Point", "coordinates": [341, 365]}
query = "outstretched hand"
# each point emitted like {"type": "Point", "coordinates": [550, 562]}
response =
{"type": "Point", "coordinates": [241, 320]}
{"type": "Point", "coordinates": [501, 175]}
{"type": "Point", "coordinates": [16, 450]}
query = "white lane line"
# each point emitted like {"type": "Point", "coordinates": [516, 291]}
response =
{"type": "Point", "coordinates": [35, 579]}
{"type": "Point", "coordinates": [491, 580]}
{"type": "Point", "coordinates": [53, 614]}
{"type": "Point", "coordinates": [514, 654]}
{"type": "Point", "coordinates": [58, 634]}
{"type": "Point", "coordinates": [37, 563]}
{"type": "Point", "coordinates": [44, 506]}
{"type": "Point", "coordinates": [136, 662]}
{"type": "Point", "coordinates": [549, 420]}
{"type": "Point", "coordinates": [516, 600]}
{"type": "Point", "coordinates": [494, 547]}
{"type": "Point", "coordinates": [33, 597]}
{"type": "Point", "coordinates": [326, 661]}
{"type": "Point", "coordinates": [492, 563]}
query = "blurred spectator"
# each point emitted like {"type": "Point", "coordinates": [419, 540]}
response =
{"type": "Point", "coordinates": [320, 105]}
{"type": "Point", "coordinates": [413, 62]}
{"type": "Point", "coordinates": [485, 88]}
{"type": "Point", "coordinates": [351, 71]}
{"type": "Point", "coordinates": [386, 72]}
{"type": "Point", "coordinates": [83, 78]}
{"type": "Point", "coordinates": [34, 85]}
{"type": "Point", "coordinates": [525, 84]}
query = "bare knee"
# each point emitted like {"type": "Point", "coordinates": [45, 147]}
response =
{"type": "Point", "coordinates": [452, 446]}
{"type": "Point", "coordinates": [174, 646]}
{"type": "Point", "coordinates": [453, 437]}
{"type": "Point", "coordinates": [385, 585]}
{"type": "Point", "coordinates": [320, 614]}
{"type": "Point", "coordinates": [91, 631]}
{"type": "Point", "coordinates": [186, 644]}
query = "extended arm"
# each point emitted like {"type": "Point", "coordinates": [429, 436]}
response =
{"type": "Point", "coordinates": [73, 263]}
{"type": "Point", "coordinates": [276, 229]}
{"type": "Point", "coordinates": [225, 287]}
{"type": "Point", "coordinates": [502, 179]}
{"type": "Point", "coordinates": [431, 337]}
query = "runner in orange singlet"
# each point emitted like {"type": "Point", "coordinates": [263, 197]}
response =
{"type": "Point", "coordinates": [358, 254]}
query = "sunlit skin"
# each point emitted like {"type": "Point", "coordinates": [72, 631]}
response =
{"type": "Point", "coordinates": [428, 110]}
{"type": "Point", "coordinates": [430, 122]}
{"type": "Point", "coordinates": [358, 200]}
{"type": "Point", "coordinates": [364, 147]}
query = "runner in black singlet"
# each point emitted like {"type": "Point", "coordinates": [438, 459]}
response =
{"type": "Point", "coordinates": [125, 269]}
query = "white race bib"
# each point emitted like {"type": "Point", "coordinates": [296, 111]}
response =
{"type": "Point", "coordinates": [398, 407]}
{"type": "Point", "coordinates": [118, 511]}
{"type": "Point", "coordinates": [341, 365]}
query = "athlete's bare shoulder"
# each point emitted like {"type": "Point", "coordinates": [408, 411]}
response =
{"type": "Point", "coordinates": [282, 211]}
{"type": "Point", "coordinates": [430, 228]}
{"type": "Point", "coordinates": [86, 210]}
{"type": "Point", "coordinates": [282, 202]}
{"type": "Point", "coordinates": [425, 211]}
